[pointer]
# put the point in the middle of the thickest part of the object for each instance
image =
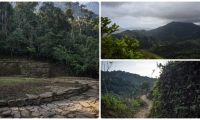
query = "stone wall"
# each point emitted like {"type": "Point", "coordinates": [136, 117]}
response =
{"type": "Point", "coordinates": [45, 97]}
{"type": "Point", "coordinates": [22, 67]}
{"type": "Point", "coordinates": [35, 69]}
{"type": "Point", "coordinates": [9, 67]}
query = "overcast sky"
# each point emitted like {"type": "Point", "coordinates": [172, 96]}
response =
{"type": "Point", "coordinates": [150, 14]}
{"type": "Point", "coordinates": [82, 2]}
{"type": "Point", "coordinates": [143, 68]}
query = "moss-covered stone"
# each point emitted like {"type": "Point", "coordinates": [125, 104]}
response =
{"type": "Point", "coordinates": [27, 68]}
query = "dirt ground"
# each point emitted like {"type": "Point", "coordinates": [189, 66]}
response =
{"type": "Point", "coordinates": [12, 89]}
{"type": "Point", "coordinates": [143, 112]}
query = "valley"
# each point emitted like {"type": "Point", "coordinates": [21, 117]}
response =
{"type": "Point", "coordinates": [174, 94]}
{"type": "Point", "coordinates": [123, 94]}
{"type": "Point", "coordinates": [175, 40]}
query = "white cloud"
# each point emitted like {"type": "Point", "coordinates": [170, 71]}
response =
{"type": "Point", "coordinates": [151, 13]}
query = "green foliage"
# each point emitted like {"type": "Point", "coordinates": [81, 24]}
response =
{"type": "Point", "coordinates": [123, 83]}
{"type": "Point", "coordinates": [119, 87]}
{"type": "Point", "coordinates": [105, 30]}
{"type": "Point", "coordinates": [6, 13]}
{"type": "Point", "coordinates": [60, 52]}
{"type": "Point", "coordinates": [188, 49]}
{"type": "Point", "coordinates": [135, 104]}
{"type": "Point", "coordinates": [175, 40]}
{"type": "Point", "coordinates": [31, 49]}
{"type": "Point", "coordinates": [145, 86]}
{"type": "Point", "coordinates": [176, 92]}
{"type": "Point", "coordinates": [123, 48]}
{"type": "Point", "coordinates": [146, 42]}
{"type": "Point", "coordinates": [149, 55]}
{"type": "Point", "coordinates": [9, 81]}
{"type": "Point", "coordinates": [114, 106]}
{"type": "Point", "coordinates": [15, 42]}
{"type": "Point", "coordinates": [52, 34]}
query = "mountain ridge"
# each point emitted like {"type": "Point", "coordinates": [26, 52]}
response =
{"type": "Point", "coordinates": [145, 42]}
{"type": "Point", "coordinates": [175, 40]}
{"type": "Point", "coordinates": [122, 83]}
{"type": "Point", "coordinates": [173, 31]}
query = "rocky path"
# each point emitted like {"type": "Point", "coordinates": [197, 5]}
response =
{"type": "Point", "coordinates": [85, 105]}
{"type": "Point", "coordinates": [143, 113]}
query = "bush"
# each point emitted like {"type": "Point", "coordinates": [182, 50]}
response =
{"type": "Point", "coordinates": [111, 106]}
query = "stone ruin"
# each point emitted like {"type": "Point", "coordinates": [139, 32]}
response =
{"type": "Point", "coordinates": [46, 97]}
{"type": "Point", "coordinates": [24, 67]}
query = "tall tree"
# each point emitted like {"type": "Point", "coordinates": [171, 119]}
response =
{"type": "Point", "coordinates": [51, 34]}
{"type": "Point", "coordinates": [26, 20]}
{"type": "Point", "coordinates": [6, 12]}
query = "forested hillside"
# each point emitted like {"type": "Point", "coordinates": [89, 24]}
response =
{"type": "Point", "coordinates": [120, 93]}
{"type": "Point", "coordinates": [176, 94]}
{"type": "Point", "coordinates": [145, 42]}
{"type": "Point", "coordinates": [122, 46]}
{"type": "Point", "coordinates": [182, 50]}
{"type": "Point", "coordinates": [51, 33]}
{"type": "Point", "coordinates": [123, 83]}
{"type": "Point", "coordinates": [173, 31]}
{"type": "Point", "coordinates": [176, 40]}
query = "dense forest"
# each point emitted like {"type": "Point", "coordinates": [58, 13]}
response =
{"type": "Point", "coordinates": [123, 83]}
{"type": "Point", "coordinates": [176, 40]}
{"type": "Point", "coordinates": [120, 93]}
{"type": "Point", "coordinates": [43, 31]}
{"type": "Point", "coordinates": [177, 91]}
{"type": "Point", "coordinates": [122, 47]}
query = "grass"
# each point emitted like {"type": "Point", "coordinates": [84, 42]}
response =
{"type": "Point", "coordinates": [18, 87]}
{"type": "Point", "coordinates": [15, 80]}
{"type": "Point", "coordinates": [37, 90]}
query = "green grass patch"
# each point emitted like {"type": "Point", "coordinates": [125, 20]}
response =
{"type": "Point", "coordinates": [15, 80]}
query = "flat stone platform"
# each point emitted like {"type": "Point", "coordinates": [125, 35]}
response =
{"type": "Point", "coordinates": [83, 105]}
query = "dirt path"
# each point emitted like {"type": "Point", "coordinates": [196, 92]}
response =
{"type": "Point", "coordinates": [143, 112]}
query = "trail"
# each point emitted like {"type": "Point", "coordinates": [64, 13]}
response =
{"type": "Point", "coordinates": [143, 112]}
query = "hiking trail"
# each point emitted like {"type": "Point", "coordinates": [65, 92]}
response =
{"type": "Point", "coordinates": [143, 112]}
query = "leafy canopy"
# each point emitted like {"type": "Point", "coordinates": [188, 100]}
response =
{"type": "Point", "coordinates": [124, 48]}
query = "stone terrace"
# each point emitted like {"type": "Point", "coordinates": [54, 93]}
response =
{"type": "Point", "coordinates": [85, 105]}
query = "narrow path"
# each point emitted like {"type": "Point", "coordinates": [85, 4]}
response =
{"type": "Point", "coordinates": [143, 113]}
{"type": "Point", "coordinates": [85, 105]}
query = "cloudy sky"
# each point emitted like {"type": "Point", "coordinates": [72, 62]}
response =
{"type": "Point", "coordinates": [143, 68]}
{"type": "Point", "coordinates": [150, 14]}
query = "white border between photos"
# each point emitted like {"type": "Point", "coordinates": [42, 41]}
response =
{"type": "Point", "coordinates": [100, 60]}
